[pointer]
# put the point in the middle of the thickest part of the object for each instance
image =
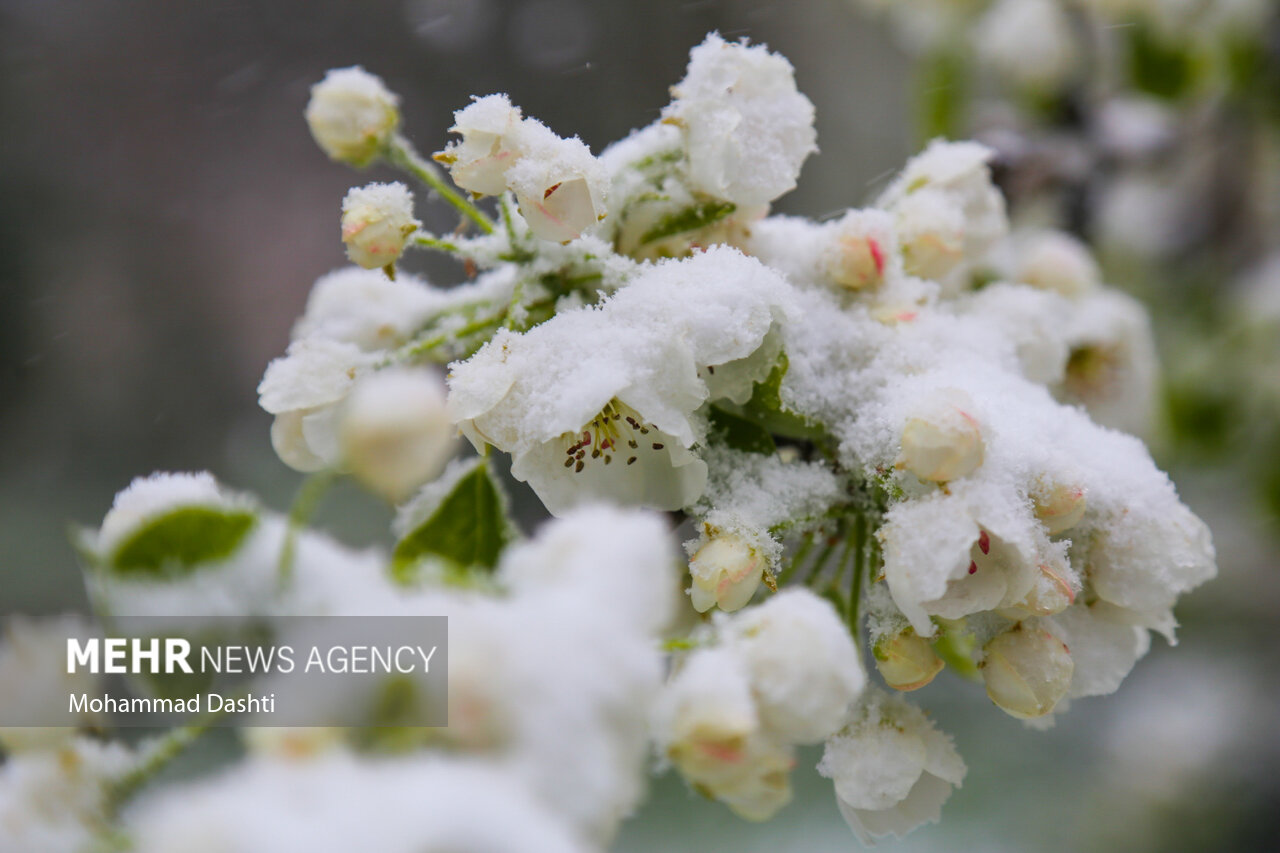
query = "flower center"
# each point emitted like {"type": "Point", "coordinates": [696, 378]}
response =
{"type": "Point", "coordinates": [617, 431]}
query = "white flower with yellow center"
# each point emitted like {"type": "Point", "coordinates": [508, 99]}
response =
{"type": "Point", "coordinates": [601, 402]}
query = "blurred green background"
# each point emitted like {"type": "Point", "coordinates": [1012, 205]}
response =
{"type": "Point", "coordinates": [165, 213]}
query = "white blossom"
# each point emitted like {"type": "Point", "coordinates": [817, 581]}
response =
{"type": "Point", "coordinates": [558, 184]}
{"type": "Point", "coordinates": [600, 402]}
{"type": "Point", "coordinates": [352, 115]}
{"type": "Point", "coordinates": [803, 666]}
{"type": "Point", "coordinates": [490, 144]}
{"type": "Point", "coordinates": [947, 209]}
{"type": "Point", "coordinates": [376, 223]}
{"type": "Point", "coordinates": [54, 800]}
{"type": "Point", "coordinates": [891, 768]}
{"type": "Point", "coordinates": [35, 683]}
{"type": "Point", "coordinates": [405, 805]}
{"type": "Point", "coordinates": [395, 431]}
{"type": "Point", "coordinates": [708, 726]}
{"type": "Point", "coordinates": [303, 390]}
{"type": "Point", "coordinates": [747, 130]}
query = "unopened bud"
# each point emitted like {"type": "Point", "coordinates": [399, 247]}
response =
{"type": "Point", "coordinates": [942, 441]}
{"type": "Point", "coordinates": [395, 431]}
{"type": "Point", "coordinates": [1058, 262]}
{"type": "Point", "coordinates": [352, 115]}
{"type": "Point", "coordinates": [726, 572]}
{"type": "Point", "coordinates": [479, 161]}
{"type": "Point", "coordinates": [1027, 671]}
{"type": "Point", "coordinates": [931, 231]}
{"type": "Point", "coordinates": [1058, 506]}
{"type": "Point", "coordinates": [906, 661]}
{"type": "Point", "coordinates": [856, 260]}
{"type": "Point", "coordinates": [1052, 592]}
{"type": "Point", "coordinates": [376, 223]}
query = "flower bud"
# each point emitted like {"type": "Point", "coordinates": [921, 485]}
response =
{"type": "Point", "coordinates": [1026, 670]}
{"type": "Point", "coordinates": [1058, 506]}
{"type": "Point", "coordinates": [479, 161]}
{"type": "Point", "coordinates": [376, 223]}
{"type": "Point", "coordinates": [395, 431]}
{"type": "Point", "coordinates": [1052, 592]}
{"type": "Point", "coordinates": [906, 661]}
{"type": "Point", "coordinates": [352, 115]}
{"type": "Point", "coordinates": [1058, 262]}
{"type": "Point", "coordinates": [856, 261]}
{"type": "Point", "coordinates": [726, 572]}
{"type": "Point", "coordinates": [942, 441]}
{"type": "Point", "coordinates": [931, 228]}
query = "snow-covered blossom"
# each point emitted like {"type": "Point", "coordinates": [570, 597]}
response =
{"type": "Point", "coordinates": [726, 572]}
{"type": "Point", "coordinates": [942, 441]}
{"type": "Point", "coordinates": [1027, 671]}
{"type": "Point", "coordinates": [303, 390]}
{"type": "Point", "coordinates": [947, 209]}
{"type": "Point", "coordinates": [54, 800]}
{"type": "Point", "coordinates": [891, 768]}
{"type": "Point", "coordinates": [803, 666]}
{"type": "Point", "coordinates": [1058, 262]}
{"type": "Point", "coordinates": [558, 184]}
{"type": "Point", "coordinates": [405, 805]}
{"type": "Point", "coordinates": [708, 725]}
{"type": "Point", "coordinates": [352, 115]}
{"type": "Point", "coordinates": [376, 223]}
{"type": "Point", "coordinates": [777, 675]}
{"type": "Point", "coordinates": [366, 308]}
{"type": "Point", "coordinates": [861, 248]}
{"type": "Point", "coordinates": [747, 130]}
{"type": "Point", "coordinates": [489, 146]}
{"type": "Point", "coordinates": [395, 431]}
{"type": "Point", "coordinates": [601, 402]}
{"type": "Point", "coordinates": [34, 683]}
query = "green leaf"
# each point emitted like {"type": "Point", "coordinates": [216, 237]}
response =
{"type": "Point", "coordinates": [469, 527]}
{"type": "Point", "coordinates": [178, 542]}
{"type": "Point", "coordinates": [766, 408]}
{"type": "Point", "coordinates": [740, 433]}
{"type": "Point", "coordinates": [689, 219]}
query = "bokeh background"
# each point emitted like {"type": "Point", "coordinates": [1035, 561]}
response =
{"type": "Point", "coordinates": [165, 213]}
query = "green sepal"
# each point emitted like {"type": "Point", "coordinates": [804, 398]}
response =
{"type": "Point", "coordinates": [692, 218]}
{"type": "Point", "coordinates": [468, 527]}
{"type": "Point", "coordinates": [182, 540]}
{"type": "Point", "coordinates": [740, 433]}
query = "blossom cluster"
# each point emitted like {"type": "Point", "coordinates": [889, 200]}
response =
{"type": "Point", "coordinates": [908, 428]}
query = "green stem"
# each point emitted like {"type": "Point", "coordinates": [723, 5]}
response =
{"type": "Point", "coordinates": [860, 561]}
{"type": "Point", "coordinates": [796, 559]}
{"type": "Point", "coordinates": [400, 154]}
{"type": "Point", "coordinates": [427, 241]}
{"type": "Point", "coordinates": [161, 753]}
{"type": "Point", "coordinates": [304, 506]}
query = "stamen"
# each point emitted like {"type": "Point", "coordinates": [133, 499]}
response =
{"type": "Point", "coordinates": [631, 460]}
